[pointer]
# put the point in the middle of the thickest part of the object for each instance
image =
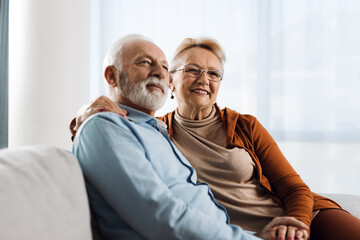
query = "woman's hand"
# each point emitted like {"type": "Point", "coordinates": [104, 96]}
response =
{"type": "Point", "coordinates": [101, 104]}
{"type": "Point", "coordinates": [284, 228]}
{"type": "Point", "coordinates": [288, 232]}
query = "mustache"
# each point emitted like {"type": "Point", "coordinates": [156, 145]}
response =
{"type": "Point", "coordinates": [155, 80]}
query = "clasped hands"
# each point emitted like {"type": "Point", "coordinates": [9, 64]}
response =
{"type": "Point", "coordinates": [284, 228]}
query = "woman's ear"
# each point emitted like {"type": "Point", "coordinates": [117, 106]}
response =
{"type": "Point", "coordinates": [171, 82]}
{"type": "Point", "coordinates": [110, 75]}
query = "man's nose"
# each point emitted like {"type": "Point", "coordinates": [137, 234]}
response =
{"type": "Point", "coordinates": [158, 70]}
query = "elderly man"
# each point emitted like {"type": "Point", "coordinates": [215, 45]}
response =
{"type": "Point", "coordinates": [140, 186]}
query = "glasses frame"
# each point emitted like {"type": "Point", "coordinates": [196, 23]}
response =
{"type": "Point", "coordinates": [201, 72]}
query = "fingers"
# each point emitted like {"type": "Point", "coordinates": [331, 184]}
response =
{"type": "Point", "coordinates": [289, 221]}
{"type": "Point", "coordinates": [297, 223]}
{"type": "Point", "coordinates": [113, 109]}
{"type": "Point", "coordinates": [283, 232]}
{"type": "Point", "coordinates": [101, 104]}
{"type": "Point", "coordinates": [301, 235]}
{"type": "Point", "coordinates": [105, 104]}
{"type": "Point", "coordinates": [290, 235]}
{"type": "Point", "coordinates": [281, 228]}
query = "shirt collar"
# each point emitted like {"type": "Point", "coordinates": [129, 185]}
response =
{"type": "Point", "coordinates": [140, 117]}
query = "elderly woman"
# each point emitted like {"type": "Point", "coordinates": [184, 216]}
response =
{"type": "Point", "coordinates": [235, 155]}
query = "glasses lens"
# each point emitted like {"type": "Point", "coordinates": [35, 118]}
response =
{"type": "Point", "coordinates": [214, 75]}
{"type": "Point", "coordinates": [192, 71]}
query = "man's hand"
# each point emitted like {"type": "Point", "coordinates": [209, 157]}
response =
{"type": "Point", "coordinates": [284, 228]}
{"type": "Point", "coordinates": [101, 104]}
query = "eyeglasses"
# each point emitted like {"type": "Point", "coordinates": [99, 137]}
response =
{"type": "Point", "coordinates": [195, 72]}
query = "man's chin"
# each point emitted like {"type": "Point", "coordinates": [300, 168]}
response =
{"type": "Point", "coordinates": [152, 102]}
{"type": "Point", "coordinates": [157, 106]}
{"type": "Point", "coordinates": [156, 92]}
{"type": "Point", "coordinates": [151, 98]}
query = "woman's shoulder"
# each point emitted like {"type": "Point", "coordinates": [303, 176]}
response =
{"type": "Point", "coordinates": [167, 118]}
{"type": "Point", "coordinates": [231, 114]}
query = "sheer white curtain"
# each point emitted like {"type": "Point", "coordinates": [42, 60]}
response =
{"type": "Point", "coordinates": [295, 65]}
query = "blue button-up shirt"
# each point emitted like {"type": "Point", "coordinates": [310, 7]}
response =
{"type": "Point", "coordinates": [141, 186]}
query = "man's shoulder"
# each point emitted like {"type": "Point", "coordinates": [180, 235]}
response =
{"type": "Point", "coordinates": [104, 120]}
{"type": "Point", "coordinates": [104, 129]}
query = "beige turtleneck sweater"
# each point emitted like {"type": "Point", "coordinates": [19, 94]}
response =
{"type": "Point", "coordinates": [230, 173]}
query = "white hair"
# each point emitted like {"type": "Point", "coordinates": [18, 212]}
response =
{"type": "Point", "coordinates": [135, 92]}
{"type": "Point", "coordinates": [114, 55]}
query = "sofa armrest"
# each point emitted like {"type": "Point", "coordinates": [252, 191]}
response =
{"type": "Point", "coordinates": [43, 195]}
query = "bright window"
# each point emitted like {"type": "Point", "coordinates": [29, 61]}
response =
{"type": "Point", "coordinates": [295, 65]}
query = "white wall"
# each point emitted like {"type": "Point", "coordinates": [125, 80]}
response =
{"type": "Point", "coordinates": [48, 69]}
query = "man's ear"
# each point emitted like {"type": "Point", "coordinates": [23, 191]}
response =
{"type": "Point", "coordinates": [110, 75]}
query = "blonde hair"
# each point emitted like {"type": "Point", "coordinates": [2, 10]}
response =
{"type": "Point", "coordinates": [203, 42]}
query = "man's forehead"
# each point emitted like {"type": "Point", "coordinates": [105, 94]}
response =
{"type": "Point", "coordinates": [143, 48]}
{"type": "Point", "coordinates": [143, 54]}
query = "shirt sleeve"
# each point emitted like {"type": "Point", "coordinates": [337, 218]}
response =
{"type": "Point", "coordinates": [285, 182]}
{"type": "Point", "coordinates": [115, 163]}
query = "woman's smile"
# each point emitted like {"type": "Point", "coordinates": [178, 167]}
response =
{"type": "Point", "coordinates": [200, 91]}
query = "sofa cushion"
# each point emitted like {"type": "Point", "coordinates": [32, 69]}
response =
{"type": "Point", "coordinates": [348, 202]}
{"type": "Point", "coordinates": [42, 195]}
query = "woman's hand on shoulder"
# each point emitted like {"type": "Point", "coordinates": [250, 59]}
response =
{"type": "Point", "coordinates": [283, 228]}
{"type": "Point", "coordinates": [101, 104]}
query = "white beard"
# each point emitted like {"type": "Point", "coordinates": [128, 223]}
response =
{"type": "Point", "coordinates": [141, 96]}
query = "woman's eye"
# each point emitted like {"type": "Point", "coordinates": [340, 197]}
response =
{"type": "Point", "coordinates": [145, 62]}
{"type": "Point", "coordinates": [215, 74]}
{"type": "Point", "coordinates": [192, 70]}
{"type": "Point", "coordinates": [165, 68]}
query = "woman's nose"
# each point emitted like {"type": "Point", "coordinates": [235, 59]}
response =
{"type": "Point", "coordinates": [203, 78]}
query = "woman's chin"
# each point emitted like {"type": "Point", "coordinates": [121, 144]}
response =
{"type": "Point", "coordinates": [200, 104]}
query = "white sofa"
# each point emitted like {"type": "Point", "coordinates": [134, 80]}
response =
{"type": "Point", "coordinates": [43, 196]}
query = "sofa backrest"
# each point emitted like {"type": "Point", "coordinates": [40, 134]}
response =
{"type": "Point", "coordinates": [42, 195]}
{"type": "Point", "coordinates": [349, 202]}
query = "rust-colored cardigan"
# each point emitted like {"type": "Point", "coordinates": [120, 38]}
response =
{"type": "Point", "coordinates": [275, 174]}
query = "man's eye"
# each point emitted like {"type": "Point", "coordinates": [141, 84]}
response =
{"type": "Point", "coordinates": [165, 68]}
{"type": "Point", "coordinates": [145, 62]}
